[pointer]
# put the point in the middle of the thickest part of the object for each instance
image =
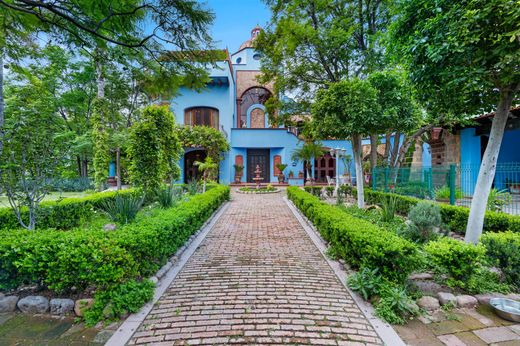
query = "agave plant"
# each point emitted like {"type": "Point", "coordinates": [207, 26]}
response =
{"type": "Point", "coordinates": [192, 187]}
{"type": "Point", "coordinates": [123, 209]}
{"type": "Point", "coordinates": [168, 196]}
{"type": "Point", "coordinates": [388, 209]}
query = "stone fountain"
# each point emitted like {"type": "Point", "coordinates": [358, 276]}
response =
{"type": "Point", "coordinates": [257, 177]}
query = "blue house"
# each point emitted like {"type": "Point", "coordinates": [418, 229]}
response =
{"type": "Point", "coordinates": [233, 103]}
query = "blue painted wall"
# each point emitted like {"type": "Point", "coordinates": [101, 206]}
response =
{"type": "Point", "coordinates": [470, 158]}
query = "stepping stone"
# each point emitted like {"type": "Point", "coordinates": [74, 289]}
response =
{"type": "Point", "coordinates": [8, 303]}
{"type": "Point", "coordinates": [428, 303]}
{"type": "Point", "coordinates": [465, 301]}
{"type": "Point", "coordinates": [451, 340]}
{"type": "Point", "coordinates": [61, 306]}
{"type": "Point", "coordinates": [446, 298]}
{"type": "Point", "coordinates": [496, 334]}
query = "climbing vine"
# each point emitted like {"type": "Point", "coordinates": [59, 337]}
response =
{"type": "Point", "coordinates": [154, 149]}
{"type": "Point", "coordinates": [100, 137]}
{"type": "Point", "coordinates": [211, 139]}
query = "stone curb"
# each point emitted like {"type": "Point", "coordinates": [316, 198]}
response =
{"type": "Point", "coordinates": [385, 331]}
{"type": "Point", "coordinates": [257, 193]}
{"type": "Point", "coordinates": [127, 329]}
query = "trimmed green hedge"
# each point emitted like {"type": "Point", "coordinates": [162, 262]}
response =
{"type": "Point", "coordinates": [359, 242]}
{"type": "Point", "coordinates": [100, 259]}
{"type": "Point", "coordinates": [504, 250]}
{"type": "Point", "coordinates": [62, 214]}
{"type": "Point", "coordinates": [456, 217]}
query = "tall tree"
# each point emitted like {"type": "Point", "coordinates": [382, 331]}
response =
{"type": "Point", "coordinates": [348, 109]}
{"type": "Point", "coordinates": [464, 57]}
{"type": "Point", "coordinates": [311, 43]}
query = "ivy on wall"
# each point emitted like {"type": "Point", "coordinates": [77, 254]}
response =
{"type": "Point", "coordinates": [209, 138]}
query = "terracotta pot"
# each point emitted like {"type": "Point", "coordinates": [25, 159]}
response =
{"type": "Point", "coordinates": [238, 178]}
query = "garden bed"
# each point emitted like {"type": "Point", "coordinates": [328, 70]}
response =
{"type": "Point", "coordinates": [373, 242]}
{"type": "Point", "coordinates": [261, 190]}
{"type": "Point", "coordinates": [80, 262]}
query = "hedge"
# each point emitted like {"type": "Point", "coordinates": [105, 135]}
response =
{"type": "Point", "coordinates": [456, 217]}
{"type": "Point", "coordinates": [504, 250]}
{"type": "Point", "coordinates": [357, 241]}
{"type": "Point", "coordinates": [61, 214]}
{"type": "Point", "coordinates": [101, 259]}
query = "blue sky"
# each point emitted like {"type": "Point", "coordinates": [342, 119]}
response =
{"type": "Point", "coordinates": [235, 19]}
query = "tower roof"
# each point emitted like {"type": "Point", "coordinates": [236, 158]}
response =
{"type": "Point", "coordinates": [249, 43]}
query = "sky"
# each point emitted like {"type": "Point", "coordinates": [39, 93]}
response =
{"type": "Point", "coordinates": [234, 21]}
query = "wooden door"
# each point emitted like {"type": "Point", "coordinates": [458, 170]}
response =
{"type": "Point", "coordinates": [191, 172]}
{"type": "Point", "coordinates": [258, 157]}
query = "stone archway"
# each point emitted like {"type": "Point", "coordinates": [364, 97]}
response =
{"type": "Point", "coordinates": [257, 118]}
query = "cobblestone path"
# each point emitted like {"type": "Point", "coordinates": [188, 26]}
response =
{"type": "Point", "coordinates": [257, 278]}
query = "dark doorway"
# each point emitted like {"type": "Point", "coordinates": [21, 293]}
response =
{"type": "Point", "coordinates": [191, 171]}
{"type": "Point", "coordinates": [324, 166]}
{"type": "Point", "coordinates": [258, 157]}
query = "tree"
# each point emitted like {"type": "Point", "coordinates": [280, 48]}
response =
{"type": "Point", "coordinates": [464, 59]}
{"type": "Point", "coordinates": [347, 109]}
{"type": "Point", "coordinates": [306, 154]}
{"type": "Point", "coordinates": [311, 43]}
{"type": "Point", "coordinates": [208, 168]}
{"type": "Point", "coordinates": [34, 153]}
{"type": "Point", "coordinates": [154, 149]}
{"type": "Point", "coordinates": [399, 112]}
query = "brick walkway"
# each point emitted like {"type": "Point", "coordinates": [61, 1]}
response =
{"type": "Point", "coordinates": [256, 279]}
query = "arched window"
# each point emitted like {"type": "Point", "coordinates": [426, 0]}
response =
{"type": "Point", "coordinates": [255, 95]}
{"type": "Point", "coordinates": [201, 116]}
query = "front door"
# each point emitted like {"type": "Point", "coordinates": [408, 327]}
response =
{"type": "Point", "coordinates": [258, 157]}
{"type": "Point", "coordinates": [191, 171]}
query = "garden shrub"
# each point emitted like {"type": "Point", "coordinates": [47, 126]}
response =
{"type": "Point", "coordinates": [66, 213]}
{"type": "Point", "coordinates": [314, 190]}
{"type": "Point", "coordinates": [123, 209]}
{"type": "Point", "coordinates": [458, 259]}
{"type": "Point", "coordinates": [366, 282]}
{"type": "Point", "coordinates": [114, 303]}
{"type": "Point", "coordinates": [359, 242]}
{"type": "Point", "coordinates": [504, 250]}
{"type": "Point", "coordinates": [455, 217]}
{"type": "Point", "coordinates": [100, 259]}
{"type": "Point", "coordinates": [423, 219]}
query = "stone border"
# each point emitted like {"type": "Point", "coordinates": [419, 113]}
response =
{"type": "Point", "coordinates": [127, 329]}
{"type": "Point", "coordinates": [257, 192]}
{"type": "Point", "coordinates": [384, 330]}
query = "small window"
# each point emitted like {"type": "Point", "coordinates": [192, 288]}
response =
{"type": "Point", "coordinates": [239, 60]}
{"type": "Point", "coordinates": [257, 56]}
{"type": "Point", "coordinates": [201, 116]}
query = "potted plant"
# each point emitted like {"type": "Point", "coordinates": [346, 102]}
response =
{"type": "Point", "coordinates": [238, 173]}
{"type": "Point", "coordinates": [291, 174]}
{"type": "Point", "coordinates": [281, 167]}
{"type": "Point", "coordinates": [300, 175]}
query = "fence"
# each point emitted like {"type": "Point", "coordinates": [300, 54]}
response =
{"type": "Point", "coordinates": [454, 184]}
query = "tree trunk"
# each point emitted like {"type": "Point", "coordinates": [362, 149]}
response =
{"type": "Point", "coordinates": [356, 145]}
{"type": "Point", "coordinates": [84, 168]}
{"type": "Point", "coordinates": [487, 169]}
{"type": "Point", "coordinates": [80, 167]}
{"type": "Point", "coordinates": [373, 151]}
{"type": "Point", "coordinates": [100, 76]}
{"type": "Point", "coordinates": [118, 168]}
{"type": "Point", "coordinates": [395, 148]}
{"type": "Point", "coordinates": [388, 137]}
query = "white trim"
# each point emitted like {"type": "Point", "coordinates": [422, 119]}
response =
{"type": "Point", "coordinates": [127, 329]}
{"type": "Point", "coordinates": [384, 330]}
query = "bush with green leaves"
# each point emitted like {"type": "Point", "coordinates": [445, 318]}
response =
{"type": "Point", "coordinates": [444, 193]}
{"type": "Point", "coordinates": [454, 217]}
{"type": "Point", "coordinates": [485, 281]}
{"type": "Point", "coordinates": [192, 187]}
{"type": "Point", "coordinates": [114, 303]}
{"type": "Point", "coordinates": [123, 209]}
{"type": "Point", "coordinates": [66, 213]}
{"type": "Point", "coordinates": [503, 249]}
{"type": "Point", "coordinates": [357, 241]}
{"type": "Point", "coordinates": [366, 282]}
{"type": "Point", "coordinates": [423, 221]}
{"type": "Point", "coordinates": [395, 305]}
{"type": "Point", "coordinates": [388, 209]}
{"type": "Point", "coordinates": [457, 259]}
{"type": "Point", "coordinates": [99, 259]}
{"type": "Point", "coordinates": [413, 188]}
{"type": "Point", "coordinates": [314, 190]}
{"type": "Point", "coordinates": [168, 196]}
